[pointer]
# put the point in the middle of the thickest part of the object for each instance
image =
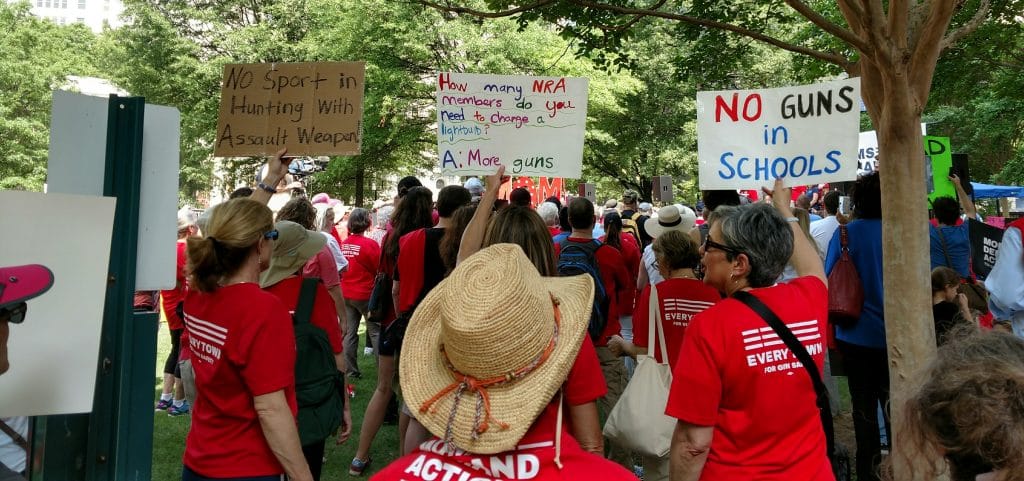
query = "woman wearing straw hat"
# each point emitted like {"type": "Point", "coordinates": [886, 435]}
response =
{"type": "Point", "coordinates": [486, 354]}
{"type": "Point", "coordinates": [294, 247]}
{"type": "Point", "coordinates": [243, 354]}
{"type": "Point", "coordinates": [674, 217]}
{"type": "Point", "coordinates": [747, 409]}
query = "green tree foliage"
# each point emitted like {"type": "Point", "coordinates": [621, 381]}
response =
{"type": "Point", "coordinates": [38, 55]}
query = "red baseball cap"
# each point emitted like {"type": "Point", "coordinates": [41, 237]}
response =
{"type": "Point", "coordinates": [21, 283]}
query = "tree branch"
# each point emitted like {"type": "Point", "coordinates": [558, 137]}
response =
{"type": "Point", "coordinates": [927, 48]}
{"type": "Point", "coordinates": [823, 56]}
{"type": "Point", "coordinates": [483, 14]}
{"type": "Point", "coordinates": [967, 28]}
{"type": "Point", "coordinates": [828, 26]}
{"type": "Point", "coordinates": [898, 12]}
{"type": "Point", "coordinates": [635, 19]}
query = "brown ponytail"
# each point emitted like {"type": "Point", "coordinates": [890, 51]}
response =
{"type": "Point", "coordinates": [233, 229]}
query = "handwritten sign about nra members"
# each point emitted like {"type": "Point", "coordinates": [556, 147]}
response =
{"type": "Point", "coordinates": [805, 134]}
{"type": "Point", "coordinates": [313, 108]}
{"type": "Point", "coordinates": [532, 125]}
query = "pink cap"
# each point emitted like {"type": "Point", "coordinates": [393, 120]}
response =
{"type": "Point", "coordinates": [320, 198]}
{"type": "Point", "coordinates": [21, 283]}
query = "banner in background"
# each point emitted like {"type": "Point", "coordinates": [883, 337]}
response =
{"type": "Point", "coordinates": [805, 134]}
{"type": "Point", "coordinates": [533, 126]}
{"type": "Point", "coordinates": [985, 240]}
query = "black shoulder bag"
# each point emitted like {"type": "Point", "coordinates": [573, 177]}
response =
{"type": "Point", "coordinates": [840, 461]}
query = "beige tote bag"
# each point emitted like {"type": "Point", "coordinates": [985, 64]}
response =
{"type": "Point", "coordinates": [638, 421]}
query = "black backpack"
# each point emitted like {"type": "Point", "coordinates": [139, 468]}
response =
{"type": "Point", "coordinates": [577, 258]}
{"type": "Point", "coordinates": [318, 384]}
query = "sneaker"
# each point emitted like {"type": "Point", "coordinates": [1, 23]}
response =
{"type": "Point", "coordinates": [367, 351]}
{"type": "Point", "coordinates": [182, 410]}
{"type": "Point", "coordinates": [358, 466]}
{"type": "Point", "coordinates": [163, 405]}
{"type": "Point", "coordinates": [351, 389]}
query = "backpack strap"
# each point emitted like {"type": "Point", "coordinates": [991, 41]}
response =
{"type": "Point", "coordinates": [304, 307]}
{"type": "Point", "coordinates": [798, 349]}
{"type": "Point", "coordinates": [18, 439]}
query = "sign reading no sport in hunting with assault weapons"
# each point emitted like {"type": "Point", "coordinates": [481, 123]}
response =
{"type": "Point", "coordinates": [806, 134]}
{"type": "Point", "coordinates": [312, 108]}
{"type": "Point", "coordinates": [532, 125]}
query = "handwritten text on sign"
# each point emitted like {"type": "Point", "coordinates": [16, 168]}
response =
{"type": "Point", "coordinates": [532, 125]}
{"type": "Point", "coordinates": [310, 108]}
{"type": "Point", "coordinates": [805, 134]}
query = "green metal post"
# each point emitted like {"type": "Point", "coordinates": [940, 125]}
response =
{"type": "Point", "coordinates": [114, 442]}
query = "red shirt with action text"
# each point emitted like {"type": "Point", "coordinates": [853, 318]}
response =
{"type": "Point", "coordinates": [679, 301]}
{"type": "Point", "coordinates": [363, 254]}
{"type": "Point", "coordinates": [243, 346]}
{"type": "Point", "coordinates": [734, 373]}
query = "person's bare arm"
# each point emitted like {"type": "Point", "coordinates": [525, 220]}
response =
{"type": "Point", "coordinates": [339, 307]}
{"type": "Point", "coordinates": [619, 346]}
{"type": "Point", "coordinates": [586, 427]}
{"type": "Point", "coordinates": [281, 433]}
{"type": "Point", "coordinates": [473, 236]}
{"type": "Point", "coordinates": [690, 447]}
{"type": "Point", "coordinates": [641, 276]}
{"type": "Point", "coordinates": [965, 200]}
{"type": "Point", "coordinates": [394, 295]}
{"type": "Point", "coordinates": [805, 258]}
{"type": "Point", "coordinates": [277, 168]}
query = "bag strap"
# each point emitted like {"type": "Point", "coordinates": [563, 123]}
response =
{"type": "Point", "coordinates": [304, 308]}
{"type": "Point", "coordinates": [798, 349]}
{"type": "Point", "coordinates": [14, 435]}
{"type": "Point", "coordinates": [844, 239]}
{"type": "Point", "coordinates": [945, 250]}
{"type": "Point", "coordinates": [654, 327]}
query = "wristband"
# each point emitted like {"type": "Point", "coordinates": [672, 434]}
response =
{"type": "Point", "coordinates": [266, 188]}
{"type": "Point", "coordinates": [792, 219]}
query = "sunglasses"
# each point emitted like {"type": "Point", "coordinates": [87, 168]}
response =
{"type": "Point", "coordinates": [272, 235]}
{"type": "Point", "coordinates": [15, 314]}
{"type": "Point", "coordinates": [710, 244]}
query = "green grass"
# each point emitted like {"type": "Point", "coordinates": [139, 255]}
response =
{"type": "Point", "coordinates": [169, 433]}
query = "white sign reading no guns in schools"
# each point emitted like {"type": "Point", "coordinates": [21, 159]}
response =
{"type": "Point", "coordinates": [805, 134]}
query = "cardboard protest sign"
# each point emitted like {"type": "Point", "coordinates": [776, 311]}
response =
{"type": "Point", "coordinates": [805, 134]}
{"type": "Point", "coordinates": [985, 240]}
{"type": "Point", "coordinates": [941, 159]}
{"type": "Point", "coordinates": [532, 125]}
{"type": "Point", "coordinates": [313, 108]}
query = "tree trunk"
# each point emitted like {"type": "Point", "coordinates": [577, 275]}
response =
{"type": "Point", "coordinates": [909, 328]}
{"type": "Point", "coordinates": [360, 180]}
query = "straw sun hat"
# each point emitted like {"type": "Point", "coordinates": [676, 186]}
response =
{"type": "Point", "coordinates": [489, 347]}
{"type": "Point", "coordinates": [671, 217]}
{"type": "Point", "coordinates": [294, 246]}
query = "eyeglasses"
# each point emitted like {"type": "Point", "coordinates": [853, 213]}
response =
{"type": "Point", "coordinates": [15, 314]}
{"type": "Point", "coordinates": [710, 244]}
{"type": "Point", "coordinates": [271, 235]}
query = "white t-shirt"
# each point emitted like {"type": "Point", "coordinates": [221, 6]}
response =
{"type": "Point", "coordinates": [822, 232]}
{"type": "Point", "coordinates": [11, 455]}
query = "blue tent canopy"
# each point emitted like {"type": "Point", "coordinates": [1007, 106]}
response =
{"type": "Point", "coordinates": [987, 191]}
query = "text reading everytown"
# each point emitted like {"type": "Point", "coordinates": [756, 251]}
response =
{"type": "Point", "coordinates": [806, 134]}
{"type": "Point", "coordinates": [533, 125]}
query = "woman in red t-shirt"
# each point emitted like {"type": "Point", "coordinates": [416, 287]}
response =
{"type": "Point", "coordinates": [363, 256]}
{"type": "Point", "coordinates": [243, 354]}
{"type": "Point", "coordinates": [412, 213]}
{"type": "Point", "coordinates": [746, 406]}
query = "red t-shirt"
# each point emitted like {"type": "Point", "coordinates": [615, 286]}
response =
{"type": "Point", "coordinates": [362, 254]}
{"type": "Point", "coordinates": [172, 297]}
{"type": "Point", "coordinates": [631, 255]}
{"type": "Point", "coordinates": [322, 265]}
{"type": "Point", "coordinates": [324, 316]}
{"type": "Point", "coordinates": [534, 458]}
{"type": "Point", "coordinates": [735, 374]}
{"type": "Point", "coordinates": [554, 230]}
{"type": "Point", "coordinates": [336, 234]}
{"type": "Point", "coordinates": [679, 300]}
{"type": "Point", "coordinates": [616, 284]}
{"type": "Point", "coordinates": [243, 346]}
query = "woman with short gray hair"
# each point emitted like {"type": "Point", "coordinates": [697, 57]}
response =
{"type": "Point", "coordinates": [756, 417]}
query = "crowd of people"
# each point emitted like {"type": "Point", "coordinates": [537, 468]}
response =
{"type": "Point", "coordinates": [505, 331]}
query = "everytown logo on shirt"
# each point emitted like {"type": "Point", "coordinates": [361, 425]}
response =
{"type": "Point", "coordinates": [205, 338]}
{"type": "Point", "coordinates": [350, 250]}
{"type": "Point", "coordinates": [764, 348]}
{"type": "Point", "coordinates": [681, 311]}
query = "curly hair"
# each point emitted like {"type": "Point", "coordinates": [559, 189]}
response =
{"type": "Point", "coordinates": [970, 408]}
